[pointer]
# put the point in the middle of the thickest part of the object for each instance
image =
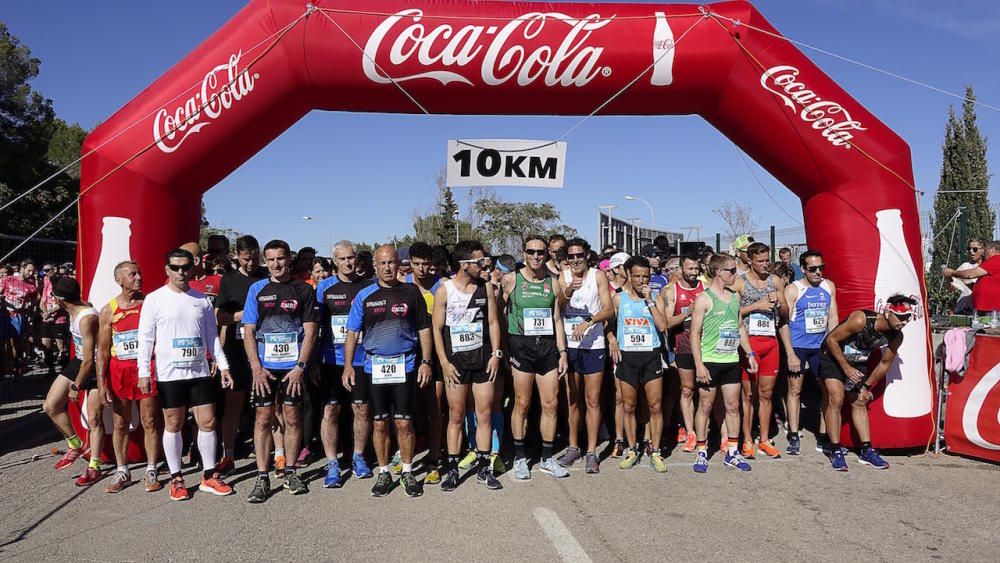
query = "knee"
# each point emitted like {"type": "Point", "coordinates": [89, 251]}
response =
{"type": "Point", "coordinates": [121, 424]}
{"type": "Point", "coordinates": [404, 427]}
{"type": "Point", "coordinates": [331, 413]}
{"type": "Point", "coordinates": [263, 419]}
{"type": "Point", "coordinates": [549, 405]}
{"type": "Point", "coordinates": [293, 416]}
{"type": "Point", "coordinates": [381, 426]}
{"type": "Point", "coordinates": [687, 393]}
{"type": "Point", "coordinates": [835, 400]}
{"type": "Point", "coordinates": [456, 416]}
{"type": "Point", "coordinates": [207, 424]}
{"type": "Point", "coordinates": [765, 395]}
{"type": "Point", "coordinates": [655, 408]}
{"type": "Point", "coordinates": [521, 405]}
{"type": "Point", "coordinates": [52, 409]}
{"type": "Point", "coordinates": [361, 411]}
{"type": "Point", "coordinates": [593, 402]}
{"type": "Point", "coordinates": [628, 407]}
{"type": "Point", "coordinates": [148, 420]}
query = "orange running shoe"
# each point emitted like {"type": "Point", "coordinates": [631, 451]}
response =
{"type": "Point", "coordinates": [215, 485]}
{"type": "Point", "coordinates": [768, 448]}
{"type": "Point", "coordinates": [177, 489]}
{"type": "Point", "coordinates": [690, 442]}
{"type": "Point", "coordinates": [748, 450]}
{"type": "Point", "coordinates": [681, 435]}
{"type": "Point", "coordinates": [279, 466]}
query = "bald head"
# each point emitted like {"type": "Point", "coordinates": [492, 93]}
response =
{"type": "Point", "coordinates": [195, 250]}
{"type": "Point", "coordinates": [387, 264]}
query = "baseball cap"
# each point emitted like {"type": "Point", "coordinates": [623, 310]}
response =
{"type": "Point", "coordinates": [742, 242]}
{"type": "Point", "coordinates": [66, 288]}
{"type": "Point", "coordinates": [618, 259]}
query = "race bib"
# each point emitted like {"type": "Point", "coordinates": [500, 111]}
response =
{"type": "Point", "coordinates": [729, 341]}
{"type": "Point", "coordinates": [281, 347]}
{"type": "Point", "coordinates": [816, 320]}
{"type": "Point", "coordinates": [637, 338]}
{"type": "Point", "coordinates": [855, 356]}
{"type": "Point", "coordinates": [126, 344]}
{"type": "Point", "coordinates": [338, 327]}
{"type": "Point", "coordinates": [538, 322]}
{"type": "Point", "coordinates": [388, 369]}
{"type": "Point", "coordinates": [239, 331]}
{"type": "Point", "coordinates": [761, 324]}
{"type": "Point", "coordinates": [570, 324]}
{"type": "Point", "coordinates": [77, 345]}
{"type": "Point", "coordinates": [187, 352]}
{"type": "Point", "coordinates": [466, 337]}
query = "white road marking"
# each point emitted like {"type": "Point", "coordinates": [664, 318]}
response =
{"type": "Point", "coordinates": [569, 549]}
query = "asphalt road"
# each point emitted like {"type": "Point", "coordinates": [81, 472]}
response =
{"type": "Point", "coordinates": [794, 508]}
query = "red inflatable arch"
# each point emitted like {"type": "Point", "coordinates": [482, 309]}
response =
{"type": "Point", "coordinates": [277, 60]}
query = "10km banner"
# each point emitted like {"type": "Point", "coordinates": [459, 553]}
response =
{"type": "Point", "coordinates": [506, 162]}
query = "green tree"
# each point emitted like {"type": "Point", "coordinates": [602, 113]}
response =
{"type": "Point", "coordinates": [964, 184]}
{"type": "Point", "coordinates": [505, 223]}
{"type": "Point", "coordinates": [34, 144]}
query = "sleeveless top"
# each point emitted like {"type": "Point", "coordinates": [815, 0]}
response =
{"type": "Point", "coordinates": [74, 330]}
{"type": "Point", "coordinates": [720, 331]}
{"type": "Point", "coordinates": [124, 331]}
{"type": "Point", "coordinates": [684, 300]}
{"type": "Point", "coordinates": [466, 323]}
{"type": "Point", "coordinates": [586, 301]}
{"type": "Point", "coordinates": [809, 315]}
{"type": "Point", "coordinates": [758, 323]}
{"type": "Point", "coordinates": [859, 347]}
{"type": "Point", "coordinates": [636, 330]}
{"type": "Point", "coordinates": [530, 311]}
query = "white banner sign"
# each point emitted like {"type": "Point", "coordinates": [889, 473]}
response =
{"type": "Point", "coordinates": [506, 162]}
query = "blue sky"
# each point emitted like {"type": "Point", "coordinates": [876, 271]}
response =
{"type": "Point", "coordinates": [97, 55]}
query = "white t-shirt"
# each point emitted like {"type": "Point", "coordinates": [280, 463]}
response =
{"type": "Point", "coordinates": [964, 287]}
{"type": "Point", "coordinates": [181, 329]}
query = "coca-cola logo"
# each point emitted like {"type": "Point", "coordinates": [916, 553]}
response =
{"type": "Point", "coordinates": [503, 52]}
{"type": "Point", "coordinates": [826, 116]}
{"type": "Point", "coordinates": [217, 94]}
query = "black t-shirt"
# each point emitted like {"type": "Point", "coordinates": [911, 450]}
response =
{"type": "Point", "coordinates": [335, 297]}
{"type": "Point", "coordinates": [278, 311]}
{"type": "Point", "coordinates": [232, 295]}
{"type": "Point", "coordinates": [390, 319]}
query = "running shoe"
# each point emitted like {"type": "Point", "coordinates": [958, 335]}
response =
{"type": "Point", "coordinates": [332, 479]}
{"type": "Point", "coordinates": [279, 466]}
{"type": "Point", "coordinates": [396, 464]}
{"type": "Point", "coordinates": [736, 461]}
{"type": "Point", "coordinates": [69, 457]}
{"type": "Point", "coordinates": [177, 489]}
{"type": "Point", "coordinates": [498, 465]}
{"type": "Point", "coordinates": [794, 444]}
{"type": "Point", "coordinates": [467, 461]}
{"type": "Point", "coordinates": [690, 442]}
{"type": "Point", "coordinates": [261, 490]}
{"type": "Point", "coordinates": [701, 462]}
{"type": "Point", "coordinates": [304, 457]}
{"type": "Point", "coordinates": [450, 482]}
{"type": "Point", "coordinates": [748, 450]}
{"type": "Point", "coordinates": [837, 461]}
{"type": "Point", "coordinates": [411, 487]}
{"type": "Point", "coordinates": [485, 477]}
{"type": "Point", "coordinates": [119, 481]}
{"type": "Point", "coordinates": [152, 483]}
{"type": "Point", "coordinates": [630, 459]}
{"type": "Point", "coordinates": [682, 435]}
{"type": "Point", "coordinates": [767, 447]}
{"type": "Point", "coordinates": [591, 464]}
{"type": "Point", "coordinates": [294, 484]}
{"type": "Point", "coordinates": [225, 466]}
{"type": "Point", "coordinates": [215, 485]}
{"type": "Point", "coordinates": [360, 468]}
{"type": "Point", "coordinates": [88, 477]}
{"type": "Point", "coordinates": [521, 471]}
{"type": "Point", "coordinates": [383, 484]}
{"type": "Point", "coordinates": [870, 457]}
{"type": "Point", "coordinates": [568, 457]}
{"type": "Point", "coordinates": [619, 449]}
{"type": "Point", "coordinates": [657, 463]}
{"type": "Point", "coordinates": [552, 468]}
{"type": "Point", "coordinates": [433, 476]}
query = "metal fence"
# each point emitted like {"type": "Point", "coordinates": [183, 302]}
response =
{"type": "Point", "coordinates": [41, 250]}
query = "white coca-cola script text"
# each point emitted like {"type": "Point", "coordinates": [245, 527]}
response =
{"type": "Point", "coordinates": [828, 117]}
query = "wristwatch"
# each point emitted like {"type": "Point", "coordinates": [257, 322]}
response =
{"type": "Point", "coordinates": [73, 386]}
{"type": "Point", "coordinates": [498, 353]}
{"type": "Point", "coordinates": [301, 365]}
{"type": "Point", "coordinates": [864, 385]}
{"type": "Point", "coordinates": [589, 319]}
{"type": "Point", "coordinates": [425, 362]}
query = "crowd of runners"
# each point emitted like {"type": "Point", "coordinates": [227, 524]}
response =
{"type": "Point", "coordinates": [368, 358]}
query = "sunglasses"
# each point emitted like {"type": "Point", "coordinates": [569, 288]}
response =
{"type": "Point", "coordinates": [730, 270]}
{"type": "Point", "coordinates": [974, 248]}
{"type": "Point", "coordinates": [180, 267]}
{"type": "Point", "coordinates": [814, 269]}
{"type": "Point", "coordinates": [535, 252]}
{"type": "Point", "coordinates": [577, 256]}
{"type": "Point", "coordinates": [903, 317]}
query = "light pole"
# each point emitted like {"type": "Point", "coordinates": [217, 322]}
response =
{"type": "Point", "coordinates": [456, 225]}
{"type": "Point", "coordinates": [610, 231]}
{"type": "Point", "coordinates": [329, 235]}
{"type": "Point", "coordinates": [652, 215]}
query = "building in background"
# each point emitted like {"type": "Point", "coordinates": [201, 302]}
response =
{"type": "Point", "coordinates": [628, 236]}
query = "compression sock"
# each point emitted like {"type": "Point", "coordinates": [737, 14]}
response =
{"type": "Point", "coordinates": [74, 442]}
{"type": "Point", "coordinates": [547, 448]}
{"type": "Point", "coordinates": [519, 448]}
{"type": "Point", "coordinates": [172, 447]}
{"type": "Point", "coordinates": [206, 447]}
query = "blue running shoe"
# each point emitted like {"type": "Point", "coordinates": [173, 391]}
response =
{"type": "Point", "coordinates": [736, 461]}
{"type": "Point", "coordinates": [332, 479]}
{"type": "Point", "coordinates": [870, 457]}
{"type": "Point", "coordinates": [701, 462]}
{"type": "Point", "coordinates": [360, 468]}
{"type": "Point", "coordinates": [794, 444]}
{"type": "Point", "coordinates": [837, 461]}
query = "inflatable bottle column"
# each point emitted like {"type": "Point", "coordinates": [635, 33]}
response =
{"type": "Point", "coordinates": [115, 238]}
{"type": "Point", "coordinates": [907, 399]}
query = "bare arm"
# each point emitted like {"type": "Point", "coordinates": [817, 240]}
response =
{"type": "Point", "coordinates": [698, 309]}
{"type": "Point", "coordinates": [88, 330]}
{"type": "Point", "coordinates": [103, 344]}
{"type": "Point", "coordinates": [888, 356]}
{"type": "Point", "coordinates": [853, 325]}
{"type": "Point", "coordinates": [437, 322]}
{"type": "Point", "coordinates": [605, 293]}
{"type": "Point", "coordinates": [669, 297]}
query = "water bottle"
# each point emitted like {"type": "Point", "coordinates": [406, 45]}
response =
{"type": "Point", "coordinates": [907, 391]}
{"type": "Point", "coordinates": [115, 238]}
